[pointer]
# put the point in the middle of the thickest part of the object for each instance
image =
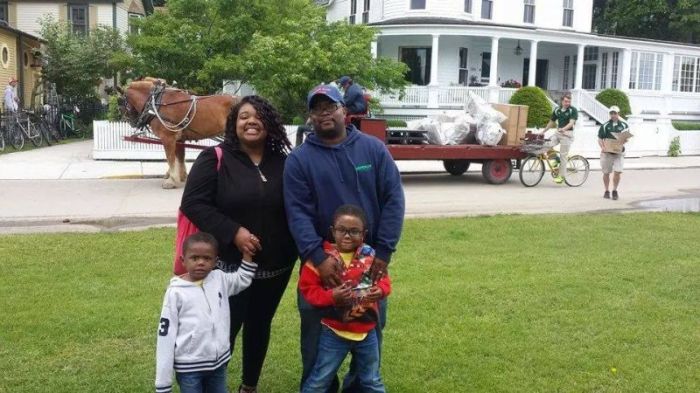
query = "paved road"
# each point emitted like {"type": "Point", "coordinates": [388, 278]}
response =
{"type": "Point", "coordinates": [94, 204]}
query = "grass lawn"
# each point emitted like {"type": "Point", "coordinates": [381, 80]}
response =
{"type": "Point", "coordinates": [575, 303]}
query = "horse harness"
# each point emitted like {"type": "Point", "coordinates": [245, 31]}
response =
{"type": "Point", "coordinates": [155, 101]}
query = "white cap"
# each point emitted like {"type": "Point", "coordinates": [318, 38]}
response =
{"type": "Point", "coordinates": [615, 109]}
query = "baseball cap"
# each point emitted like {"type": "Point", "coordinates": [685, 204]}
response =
{"type": "Point", "coordinates": [325, 90]}
{"type": "Point", "coordinates": [343, 80]}
{"type": "Point", "coordinates": [615, 109]}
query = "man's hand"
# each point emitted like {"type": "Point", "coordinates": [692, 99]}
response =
{"type": "Point", "coordinates": [329, 272]}
{"type": "Point", "coordinates": [342, 295]}
{"type": "Point", "coordinates": [246, 242]}
{"type": "Point", "coordinates": [378, 270]}
{"type": "Point", "coordinates": [375, 294]}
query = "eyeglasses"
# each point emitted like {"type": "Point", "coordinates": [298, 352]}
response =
{"type": "Point", "coordinates": [324, 108]}
{"type": "Point", "coordinates": [353, 232]}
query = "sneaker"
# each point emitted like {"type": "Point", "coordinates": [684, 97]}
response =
{"type": "Point", "coordinates": [558, 179]}
{"type": "Point", "coordinates": [606, 195]}
{"type": "Point", "coordinates": [615, 196]}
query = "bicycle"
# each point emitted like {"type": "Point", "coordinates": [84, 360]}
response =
{"type": "Point", "coordinates": [67, 124]}
{"type": "Point", "coordinates": [541, 155]}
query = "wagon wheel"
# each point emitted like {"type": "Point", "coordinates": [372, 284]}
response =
{"type": "Point", "coordinates": [456, 167]}
{"type": "Point", "coordinates": [497, 171]}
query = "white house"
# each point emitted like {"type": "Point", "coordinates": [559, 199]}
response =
{"type": "Point", "coordinates": [456, 46]}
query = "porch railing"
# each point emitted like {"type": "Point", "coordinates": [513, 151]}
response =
{"type": "Point", "coordinates": [505, 93]}
{"type": "Point", "coordinates": [586, 102]}
{"type": "Point", "coordinates": [420, 96]}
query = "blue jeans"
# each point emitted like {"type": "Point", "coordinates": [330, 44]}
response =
{"type": "Point", "coordinates": [332, 350]}
{"type": "Point", "coordinates": [213, 381]}
{"type": "Point", "coordinates": [310, 333]}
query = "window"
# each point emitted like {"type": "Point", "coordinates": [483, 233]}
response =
{"type": "Point", "coordinates": [365, 13]}
{"type": "Point", "coordinates": [463, 67]}
{"type": "Point", "coordinates": [486, 9]}
{"type": "Point", "coordinates": [418, 62]}
{"type": "Point", "coordinates": [5, 56]}
{"type": "Point", "coordinates": [613, 72]}
{"type": "Point", "coordinates": [686, 74]}
{"type": "Point", "coordinates": [588, 81]}
{"type": "Point", "coordinates": [26, 59]}
{"type": "Point", "coordinates": [78, 16]}
{"type": "Point", "coordinates": [565, 82]}
{"type": "Point", "coordinates": [468, 6]}
{"type": "Point", "coordinates": [3, 11]}
{"type": "Point", "coordinates": [573, 73]}
{"type": "Point", "coordinates": [529, 11]}
{"type": "Point", "coordinates": [645, 71]}
{"type": "Point", "coordinates": [353, 11]}
{"type": "Point", "coordinates": [132, 28]}
{"type": "Point", "coordinates": [604, 71]}
{"type": "Point", "coordinates": [485, 66]}
{"type": "Point", "coordinates": [417, 4]}
{"type": "Point", "coordinates": [590, 53]}
{"type": "Point", "coordinates": [568, 20]}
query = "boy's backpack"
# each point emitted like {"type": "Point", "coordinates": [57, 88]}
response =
{"type": "Point", "coordinates": [185, 227]}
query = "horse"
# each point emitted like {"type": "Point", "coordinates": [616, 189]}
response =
{"type": "Point", "coordinates": [174, 115]}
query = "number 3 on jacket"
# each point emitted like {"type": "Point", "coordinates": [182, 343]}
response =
{"type": "Point", "coordinates": [164, 325]}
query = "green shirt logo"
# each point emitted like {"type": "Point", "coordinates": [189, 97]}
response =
{"type": "Point", "coordinates": [363, 168]}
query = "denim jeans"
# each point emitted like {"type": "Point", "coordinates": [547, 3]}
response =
{"type": "Point", "coordinates": [310, 333]}
{"type": "Point", "coordinates": [213, 381]}
{"type": "Point", "coordinates": [332, 350]}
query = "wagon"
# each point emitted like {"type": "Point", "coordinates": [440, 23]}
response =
{"type": "Point", "coordinates": [497, 161]}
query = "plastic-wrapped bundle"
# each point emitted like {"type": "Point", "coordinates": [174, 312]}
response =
{"type": "Point", "coordinates": [431, 128]}
{"type": "Point", "coordinates": [490, 134]}
{"type": "Point", "coordinates": [482, 111]}
{"type": "Point", "coordinates": [456, 133]}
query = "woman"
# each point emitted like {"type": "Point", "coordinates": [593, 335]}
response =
{"type": "Point", "coordinates": [241, 205]}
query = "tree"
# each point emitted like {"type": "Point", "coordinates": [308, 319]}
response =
{"type": "Point", "coordinates": [281, 47]}
{"type": "Point", "coordinates": [672, 20]}
{"type": "Point", "coordinates": [76, 63]}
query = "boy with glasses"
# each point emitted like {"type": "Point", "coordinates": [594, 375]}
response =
{"type": "Point", "coordinates": [351, 310]}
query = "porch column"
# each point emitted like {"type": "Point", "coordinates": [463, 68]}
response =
{"type": "Point", "coordinates": [626, 62]}
{"type": "Point", "coordinates": [667, 82]}
{"type": "Point", "coordinates": [493, 74]}
{"type": "Point", "coordinates": [373, 47]}
{"type": "Point", "coordinates": [532, 72]}
{"type": "Point", "coordinates": [579, 68]}
{"type": "Point", "coordinates": [433, 88]}
{"type": "Point", "coordinates": [435, 54]}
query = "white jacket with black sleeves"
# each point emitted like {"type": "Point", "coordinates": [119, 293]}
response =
{"type": "Point", "coordinates": [194, 327]}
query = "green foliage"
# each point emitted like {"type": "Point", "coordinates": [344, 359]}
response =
{"type": "Point", "coordinates": [610, 97]}
{"type": "Point", "coordinates": [540, 110]}
{"type": "Point", "coordinates": [85, 318]}
{"type": "Point", "coordinates": [674, 149]}
{"type": "Point", "coordinates": [686, 126]}
{"type": "Point", "coordinates": [395, 123]}
{"type": "Point", "coordinates": [280, 47]}
{"type": "Point", "coordinates": [77, 63]}
{"type": "Point", "coordinates": [673, 20]}
{"type": "Point", "coordinates": [113, 113]}
{"type": "Point", "coordinates": [298, 121]}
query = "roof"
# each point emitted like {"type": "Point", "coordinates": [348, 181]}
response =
{"type": "Point", "coordinates": [6, 27]}
{"type": "Point", "coordinates": [463, 22]}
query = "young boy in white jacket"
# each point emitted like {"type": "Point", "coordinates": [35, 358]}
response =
{"type": "Point", "coordinates": [194, 328]}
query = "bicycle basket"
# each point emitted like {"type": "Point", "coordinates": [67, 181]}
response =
{"type": "Point", "coordinates": [534, 147]}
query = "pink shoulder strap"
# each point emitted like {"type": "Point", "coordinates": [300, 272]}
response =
{"type": "Point", "coordinates": [219, 157]}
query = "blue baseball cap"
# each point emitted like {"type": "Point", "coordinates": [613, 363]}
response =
{"type": "Point", "coordinates": [343, 80]}
{"type": "Point", "coordinates": [331, 92]}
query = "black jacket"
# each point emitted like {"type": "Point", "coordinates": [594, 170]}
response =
{"type": "Point", "coordinates": [237, 195]}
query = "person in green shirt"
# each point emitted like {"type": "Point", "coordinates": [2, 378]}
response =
{"type": "Point", "coordinates": [563, 118]}
{"type": "Point", "coordinates": [611, 162]}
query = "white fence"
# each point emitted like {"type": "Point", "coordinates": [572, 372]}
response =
{"type": "Point", "coordinates": [109, 143]}
{"type": "Point", "coordinates": [420, 96]}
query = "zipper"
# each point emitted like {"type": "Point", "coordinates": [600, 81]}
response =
{"type": "Point", "coordinates": [262, 177]}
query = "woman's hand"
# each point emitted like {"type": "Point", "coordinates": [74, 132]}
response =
{"type": "Point", "coordinates": [375, 294]}
{"type": "Point", "coordinates": [246, 242]}
{"type": "Point", "coordinates": [342, 295]}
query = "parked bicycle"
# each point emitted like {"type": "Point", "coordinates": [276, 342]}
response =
{"type": "Point", "coordinates": [20, 127]}
{"type": "Point", "coordinates": [67, 124]}
{"type": "Point", "coordinates": [541, 156]}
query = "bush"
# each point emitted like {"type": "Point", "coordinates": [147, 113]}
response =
{"type": "Point", "coordinates": [686, 125]}
{"type": "Point", "coordinates": [113, 113]}
{"type": "Point", "coordinates": [535, 98]}
{"type": "Point", "coordinates": [674, 149]}
{"type": "Point", "coordinates": [298, 121]}
{"type": "Point", "coordinates": [395, 123]}
{"type": "Point", "coordinates": [610, 97]}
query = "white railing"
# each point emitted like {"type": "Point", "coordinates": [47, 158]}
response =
{"type": "Point", "coordinates": [109, 143]}
{"type": "Point", "coordinates": [420, 96]}
{"type": "Point", "coordinates": [505, 93]}
{"type": "Point", "coordinates": [586, 102]}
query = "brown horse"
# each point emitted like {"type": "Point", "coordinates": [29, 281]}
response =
{"type": "Point", "coordinates": [174, 115]}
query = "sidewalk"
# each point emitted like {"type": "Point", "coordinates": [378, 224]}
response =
{"type": "Point", "coordinates": [73, 161]}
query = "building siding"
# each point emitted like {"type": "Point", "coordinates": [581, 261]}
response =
{"type": "Point", "coordinates": [29, 14]}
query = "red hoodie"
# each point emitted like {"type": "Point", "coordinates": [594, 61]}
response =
{"type": "Point", "coordinates": [362, 316]}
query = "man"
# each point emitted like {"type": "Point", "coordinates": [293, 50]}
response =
{"type": "Point", "coordinates": [339, 165]}
{"type": "Point", "coordinates": [564, 118]}
{"type": "Point", "coordinates": [354, 96]}
{"type": "Point", "coordinates": [11, 99]}
{"type": "Point", "coordinates": [611, 161]}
